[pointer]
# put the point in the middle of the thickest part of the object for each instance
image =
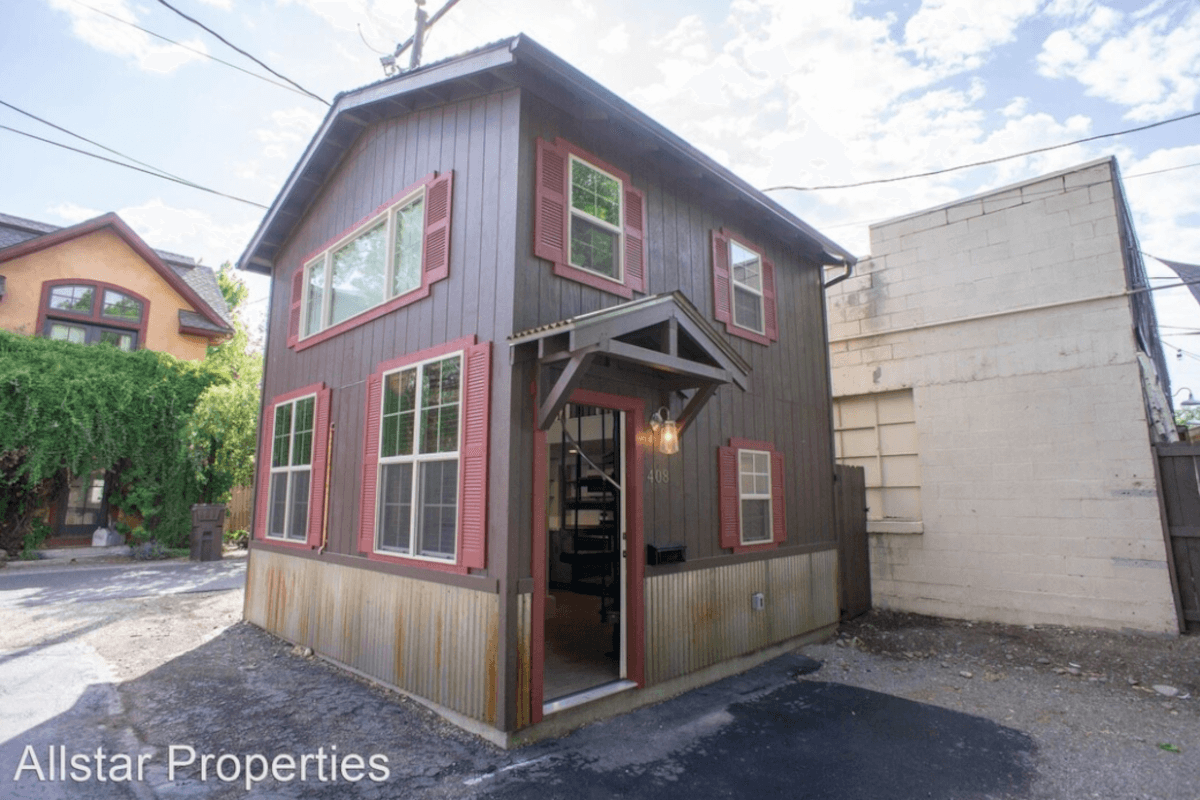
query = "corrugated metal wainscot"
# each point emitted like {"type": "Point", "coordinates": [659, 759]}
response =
{"type": "Point", "coordinates": [436, 641]}
{"type": "Point", "coordinates": [696, 618]}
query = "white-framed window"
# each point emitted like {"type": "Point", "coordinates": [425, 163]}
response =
{"type": "Point", "coordinates": [379, 262]}
{"type": "Point", "coordinates": [595, 242]}
{"type": "Point", "coordinates": [746, 271]}
{"type": "Point", "coordinates": [420, 432]}
{"type": "Point", "coordinates": [754, 496]}
{"type": "Point", "coordinates": [291, 469]}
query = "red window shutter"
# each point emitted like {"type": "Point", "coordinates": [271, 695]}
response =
{"type": "Point", "coordinates": [294, 314]}
{"type": "Point", "coordinates": [730, 512]}
{"type": "Point", "coordinates": [770, 313]}
{"type": "Point", "coordinates": [320, 458]}
{"type": "Point", "coordinates": [262, 501]}
{"type": "Point", "coordinates": [778, 508]}
{"type": "Point", "coordinates": [550, 214]}
{"type": "Point", "coordinates": [436, 258]}
{"type": "Point", "coordinates": [473, 480]}
{"type": "Point", "coordinates": [635, 239]}
{"type": "Point", "coordinates": [370, 465]}
{"type": "Point", "coordinates": [722, 297]}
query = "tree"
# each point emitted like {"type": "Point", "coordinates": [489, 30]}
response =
{"type": "Point", "coordinates": [225, 420]}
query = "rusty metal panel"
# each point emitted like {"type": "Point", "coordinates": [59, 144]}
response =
{"type": "Point", "coordinates": [524, 660]}
{"type": "Point", "coordinates": [696, 618]}
{"type": "Point", "coordinates": [434, 640]}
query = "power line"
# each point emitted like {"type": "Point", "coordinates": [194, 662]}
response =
{"type": "Point", "coordinates": [89, 141]}
{"type": "Point", "coordinates": [985, 162]}
{"type": "Point", "coordinates": [1047, 192]}
{"type": "Point", "coordinates": [228, 43]}
{"type": "Point", "coordinates": [136, 169]}
{"type": "Point", "coordinates": [190, 49]}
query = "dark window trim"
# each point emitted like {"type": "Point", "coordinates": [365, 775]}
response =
{"type": "Point", "coordinates": [474, 432]}
{"type": "Point", "coordinates": [552, 219]}
{"type": "Point", "coordinates": [729, 497]}
{"type": "Point", "coordinates": [95, 317]}
{"type": "Point", "coordinates": [435, 259]}
{"type": "Point", "coordinates": [723, 288]}
{"type": "Point", "coordinates": [320, 458]}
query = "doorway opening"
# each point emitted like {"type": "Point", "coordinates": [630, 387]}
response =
{"type": "Point", "coordinates": [83, 508]}
{"type": "Point", "coordinates": [586, 547]}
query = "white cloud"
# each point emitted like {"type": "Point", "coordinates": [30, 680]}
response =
{"type": "Point", "coordinates": [72, 213]}
{"type": "Point", "coordinates": [188, 231]}
{"type": "Point", "coordinates": [291, 130]}
{"type": "Point", "coordinates": [958, 34]}
{"type": "Point", "coordinates": [1152, 67]}
{"type": "Point", "coordinates": [615, 41]}
{"type": "Point", "coordinates": [110, 36]}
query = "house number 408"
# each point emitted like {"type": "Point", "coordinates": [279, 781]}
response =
{"type": "Point", "coordinates": [658, 476]}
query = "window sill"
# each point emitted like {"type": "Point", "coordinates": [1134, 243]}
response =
{"type": "Point", "coordinates": [900, 526]}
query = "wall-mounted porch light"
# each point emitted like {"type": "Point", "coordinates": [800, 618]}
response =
{"type": "Point", "coordinates": [666, 430]}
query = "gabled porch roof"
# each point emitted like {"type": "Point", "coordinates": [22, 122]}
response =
{"type": "Point", "coordinates": [661, 340]}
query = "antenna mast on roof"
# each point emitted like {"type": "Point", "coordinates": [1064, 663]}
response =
{"type": "Point", "coordinates": [416, 41]}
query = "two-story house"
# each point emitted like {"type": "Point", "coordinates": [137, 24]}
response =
{"type": "Point", "coordinates": [546, 410]}
{"type": "Point", "coordinates": [98, 281]}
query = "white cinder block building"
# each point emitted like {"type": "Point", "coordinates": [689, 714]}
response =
{"type": "Point", "coordinates": [995, 370]}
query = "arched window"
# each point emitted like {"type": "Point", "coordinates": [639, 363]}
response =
{"type": "Point", "coordinates": [91, 312]}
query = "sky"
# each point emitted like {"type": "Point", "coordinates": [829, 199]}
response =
{"type": "Point", "coordinates": [780, 91]}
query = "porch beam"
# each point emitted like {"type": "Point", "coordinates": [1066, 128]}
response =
{"type": "Point", "coordinates": [567, 382]}
{"type": "Point", "coordinates": [662, 361]}
{"type": "Point", "coordinates": [695, 404]}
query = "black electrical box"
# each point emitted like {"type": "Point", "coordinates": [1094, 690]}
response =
{"type": "Point", "coordinates": [666, 554]}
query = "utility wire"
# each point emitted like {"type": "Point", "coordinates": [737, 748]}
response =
{"type": "Point", "coordinates": [985, 162]}
{"type": "Point", "coordinates": [228, 43]}
{"type": "Point", "coordinates": [191, 49]}
{"type": "Point", "coordinates": [137, 169]}
{"type": "Point", "coordinates": [1131, 176]}
{"type": "Point", "coordinates": [97, 144]}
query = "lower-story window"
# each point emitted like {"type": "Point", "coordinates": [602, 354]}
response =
{"type": "Point", "coordinates": [418, 459]}
{"type": "Point", "coordinates": [754, 490]}
{"type": "Point", "coordinates": [84, 333]}
{"type": "Point", "coordinates": [291, 469]}
{"type": "Point", "coordinates": [751, 496]}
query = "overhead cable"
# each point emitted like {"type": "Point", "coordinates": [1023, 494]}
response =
{"type": "Point", "coordinates": [985, 162]}
{"type": "Point", "coordinates": [137, 169]}
{"type": "Point", "coordinates": [228, 43]}
{"type": "Point", "coordinates": [195, 50]}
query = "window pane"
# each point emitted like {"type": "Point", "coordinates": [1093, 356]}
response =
{"type": "Point", "coordinates": [755, 524]}
{"type": "Point", "coordinates": [595, 193]}
{"type": "Point", "coordinates": [283, 435]}
{"type": "Point", "coordinates": [450, 377]}
{"type": "Point", "coordinates": [593, 247]}
{"type": "Point", "coordinates": [747, 309]}
{"type": "Point", "coordinates": [358, 275]}
{"type": "Point", "coordinates": [410, 233]}
{"type": "Point", "coordinates": [72, 298]}
{"type": "Point", "coordinates": [747, 268]}
{"type": "Point", "coordinates": [117, 339]}
{"type": "Point", "coordinates": [68, 333]}
{"type": "Point", "coordinates": [399, 397]}
{"type": "Point", "coordinates": [121, 306]}
{"type": "Point", "coordinates": [395, 507]}
{"type": "Point", "coordinates": [302, 443]}
{"type": "Point", "coordinates": [278, 503]}
{"type": "Point", "coordinates": [298, 524]}
{"type": "Point", "coordinates": [439, 397]}
{"type": "Point", "coordinates": [439, 508]}
{"type": "Point", "coordinates": [316, 297]}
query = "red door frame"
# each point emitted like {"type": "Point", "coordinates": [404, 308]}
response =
{"type": "Point", "coordinates": [633, 615]}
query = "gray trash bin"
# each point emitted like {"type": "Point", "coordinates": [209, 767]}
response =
{"type": "Point", "coordinates": [208, 523]}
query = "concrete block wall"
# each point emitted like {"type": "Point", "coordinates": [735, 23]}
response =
{"type": "Point", "coordinates": [1003, 314]}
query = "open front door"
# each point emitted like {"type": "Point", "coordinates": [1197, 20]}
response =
{"type": "Point", "coordinates": [587, 626]}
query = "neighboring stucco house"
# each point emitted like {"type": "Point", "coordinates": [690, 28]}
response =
{"type": "Point", "coordinates": [997, 370]}
{"type": "Point", "coordinates": [98, 281]}
{"type": "Point", "coordinates": [501, 298]}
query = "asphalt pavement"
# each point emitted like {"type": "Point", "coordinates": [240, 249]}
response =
{"type": "Point", "coordinates": [81, 583]}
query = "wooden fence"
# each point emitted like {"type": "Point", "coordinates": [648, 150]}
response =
{"type": "Point", "coordinates": [854, 566]}
{"type": "Point", "coordinates": [1179, 477]}
{"type": "Point", "coordinates": [241, 503]}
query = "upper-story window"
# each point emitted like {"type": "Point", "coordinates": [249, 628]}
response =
{"type": "Point", "coordinates": [744, 288]}
{"type": "Point", "coordinates": [589, 220]}
{"type": "Point", "coordinates": [388, 260]}
{"type": "Point", "coordinates": [90, 313]}
{"type": "Point", "coordinates": [595, 220]}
